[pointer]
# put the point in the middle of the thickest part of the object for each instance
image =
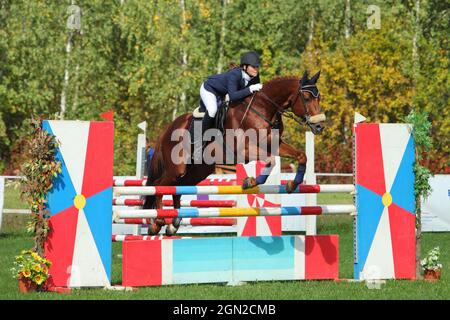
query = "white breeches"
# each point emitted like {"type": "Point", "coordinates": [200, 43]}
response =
{"type": "Point", "coordinates": [210, 101]}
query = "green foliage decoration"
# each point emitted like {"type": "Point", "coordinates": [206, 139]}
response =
{"type": "Point", "coordinates": [423, 142]}
{"type": "Point", "coordinates": [39, 171]}
{"type": "Point", "coordinates": [421, 127]}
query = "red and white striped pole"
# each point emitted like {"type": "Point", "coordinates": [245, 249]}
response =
{"type": "Point", "coordinates": [184, 203]}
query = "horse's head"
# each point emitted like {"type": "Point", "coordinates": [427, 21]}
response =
{"type": "Point", "coordinates": [307, 103]}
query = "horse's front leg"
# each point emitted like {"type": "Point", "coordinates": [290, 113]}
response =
{"type": "Point", "coordinates": [288, 151]}
{"type": "Point", "coordinates": [260, 152]}
{"type": "Point", "coordinates": [251, 182]}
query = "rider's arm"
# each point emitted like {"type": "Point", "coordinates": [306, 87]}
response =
{"type": "Point", "coordinates": [233, 81]}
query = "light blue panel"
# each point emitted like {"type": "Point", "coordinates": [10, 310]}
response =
{"type": "Point", "coordinates": [264, 275]}
{"type": "Point", "coordinates": [290, 211]}
{"type": "Point", "coordinates": [403, 187]}
{"type": "Point", "coordinates": [188, 212]}
{"type": "Point", "coordinates": [63, 193]}
{"type": "Point", "coordinates": [202, 260]}
{"type": "Point", "coordinates": [263, 258]}
{"type": "Point", "coordinates": [370, 208]}
{"type": "Point", "coordinates": [187, 190]}
{"type": "Point", "coordinates": [98, 211]}
{"type": "Point", "coordinates": [220, 276]}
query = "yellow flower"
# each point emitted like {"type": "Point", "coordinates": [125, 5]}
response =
{"type": "Point", "coordinates": [44, 269]}
{"type": "Point", "coordinates": [35, 256]}
{"type": "Point", "coordinates": [37, 268]}
{"type": "Point", "coordinates": [26, 273]}
{"type": "Point", "coordinates": [38, 279]}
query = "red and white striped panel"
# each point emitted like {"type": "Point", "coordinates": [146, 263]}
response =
{"type": "Point", "coordinates": [259, 226]}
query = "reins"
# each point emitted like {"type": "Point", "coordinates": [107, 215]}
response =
{"type": "Point", "coordinates": [279, 110]}
{"type": "Point", "coordinates": [246, 110]}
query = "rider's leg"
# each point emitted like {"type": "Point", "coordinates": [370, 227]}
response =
{"type": "Point", "coordinates": [210, 101]}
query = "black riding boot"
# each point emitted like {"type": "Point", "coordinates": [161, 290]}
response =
{"type": "Point", "coordinates": [199, 144]}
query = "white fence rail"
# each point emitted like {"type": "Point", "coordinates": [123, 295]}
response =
{"type": "Point", "coordinates": [2, 199]}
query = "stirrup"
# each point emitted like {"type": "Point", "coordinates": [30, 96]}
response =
{"type": "Point", "coordinates": [197, 114]}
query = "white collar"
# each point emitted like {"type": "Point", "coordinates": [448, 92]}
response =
{"type": "Point", "coordinates": [246, 77]}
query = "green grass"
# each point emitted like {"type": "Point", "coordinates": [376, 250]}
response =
{"type": "Point", "coordinates": [334, 198]}
{"type": "Point", "coordinates": [13, 239]}
{"type": "Point", "coordinates": [12, 197]}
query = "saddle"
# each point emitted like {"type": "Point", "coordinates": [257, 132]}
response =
{"type": "Point", "coordinates": [219, 119]}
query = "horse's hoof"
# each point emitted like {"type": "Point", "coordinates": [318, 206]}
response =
{"type": "Point", "coordinates": [171, 230]}
{"type": "Point", "coordinates": [248, 183]}
{"type": "Point", "coordinates": [153, 229]}
{"type": "Point", "coordinates": [176, 222]}
{"type": "Point", "coordinates": [291, 186]}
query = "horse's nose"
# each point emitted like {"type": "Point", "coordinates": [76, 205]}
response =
{"type": "Point", "coordinates": [319, 128]}
{"type": "Point", "coordinates": [316, 128]}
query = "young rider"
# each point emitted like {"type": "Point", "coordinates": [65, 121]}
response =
{"type": "Point", "coordinates": [238, 83]}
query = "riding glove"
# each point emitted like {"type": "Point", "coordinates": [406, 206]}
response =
{"type": "Point", "coordinates": [255, 87]}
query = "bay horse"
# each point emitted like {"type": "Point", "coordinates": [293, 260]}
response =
{"type": "Point", "coordinates": [261, 110]}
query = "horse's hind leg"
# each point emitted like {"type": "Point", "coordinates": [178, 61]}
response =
{"type": "Point", "coordinates": [157, 223]}
{"type": "Point", "coordinates": [166, 181]}
{"type": "Point", "coordinates": [173, 227]}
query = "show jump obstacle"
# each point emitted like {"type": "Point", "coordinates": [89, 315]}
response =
{"type": "Point", "coordinates": [79, 244]}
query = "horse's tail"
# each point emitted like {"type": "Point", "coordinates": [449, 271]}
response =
{"type": "Point", "coordinates": [155, 170]}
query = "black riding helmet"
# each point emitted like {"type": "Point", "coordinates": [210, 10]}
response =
{"type": "Point", "coordinates": [251, 58]}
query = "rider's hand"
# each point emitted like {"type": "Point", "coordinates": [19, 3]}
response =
{"type": "Point", "coordinates": [255, 87]}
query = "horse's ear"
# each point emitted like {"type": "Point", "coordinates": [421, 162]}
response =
{"type": "Point", "coordinates": [304, 79]}
{"type": "Point", "coordinates": [315, 77]}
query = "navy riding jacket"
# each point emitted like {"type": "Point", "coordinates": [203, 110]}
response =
{"type": "Point", "coordinates": [231, 83]}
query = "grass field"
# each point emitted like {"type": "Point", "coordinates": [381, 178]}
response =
{"type": "Point", "coordinates": [13, 238]}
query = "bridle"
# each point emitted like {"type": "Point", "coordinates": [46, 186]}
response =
{"type": "Point", "coordinates": [285, 111]}
{"type": "Point", "coordinates": [316, 94]}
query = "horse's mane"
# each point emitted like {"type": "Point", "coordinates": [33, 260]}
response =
{"type": "Point", "coordinates": [271, 82]}
{"type": "Point", "coordinates": [279, 79]}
